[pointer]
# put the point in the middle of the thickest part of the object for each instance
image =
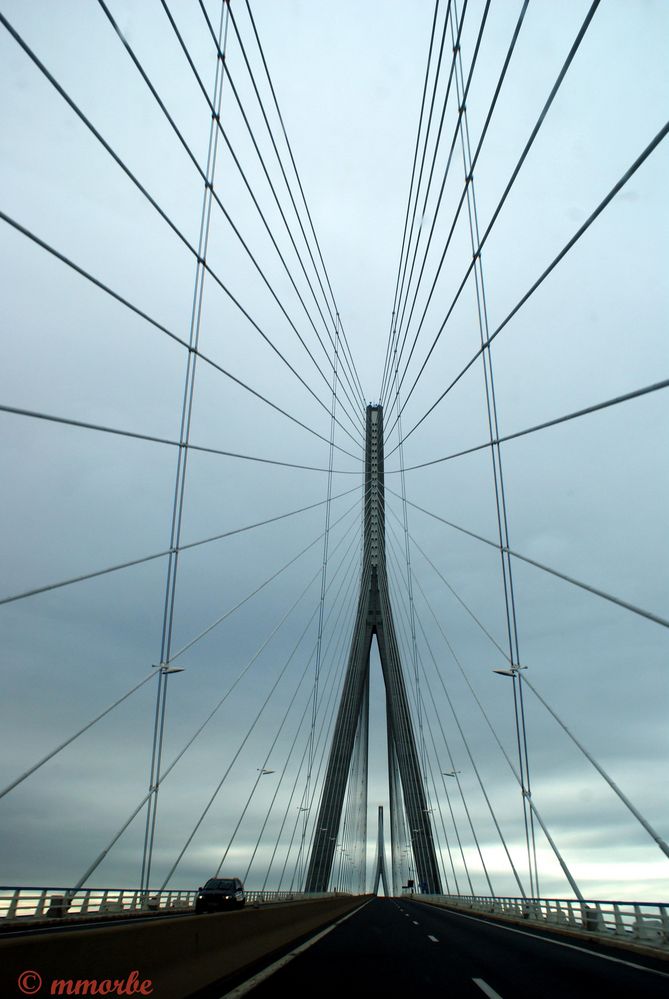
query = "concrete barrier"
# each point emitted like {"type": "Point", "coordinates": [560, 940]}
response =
{"type": "Point", "coordinates": [176, 956]}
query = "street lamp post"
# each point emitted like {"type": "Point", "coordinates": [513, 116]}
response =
{"type": "Point", "coordinates": [523, 759]}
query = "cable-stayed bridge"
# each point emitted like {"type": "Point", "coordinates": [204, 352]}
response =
{"type": "Point", "coordinates": [334, 409]}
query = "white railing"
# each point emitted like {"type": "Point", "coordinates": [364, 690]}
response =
{"type": "Point", "coordinates": [645, 923]}
{"type": "Point", "coordinates": [49, 903]}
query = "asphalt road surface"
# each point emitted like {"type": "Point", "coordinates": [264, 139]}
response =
{"type": "Point", "coordinates": [396, 947]}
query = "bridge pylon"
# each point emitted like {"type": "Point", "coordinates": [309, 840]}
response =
{"type": "Point", "coordinates": [380, 876]}
{"type": "Point", "coordinates": [374, 618]}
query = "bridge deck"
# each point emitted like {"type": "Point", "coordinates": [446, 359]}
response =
{"type": "Point", "coordinates": [405, 948]}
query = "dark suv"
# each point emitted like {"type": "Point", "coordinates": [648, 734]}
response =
{"type": "Point", "coordinates": [220, 893]}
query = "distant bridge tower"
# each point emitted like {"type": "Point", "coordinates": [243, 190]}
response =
{"type": "Point", "coordinates": [374, 617]}
{"type": "Point", "coordinates": [380, 876]}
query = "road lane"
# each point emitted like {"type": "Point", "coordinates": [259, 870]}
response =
{"type": "Point", "coordinates": [396, 947]}
{"type": "Point", "coordinates": [523, 962]}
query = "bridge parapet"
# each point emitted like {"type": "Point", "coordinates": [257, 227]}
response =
{"type": "Point", "coordinates": [643, 924]}
{"type": "Point", "coordinates": [177, 953]}
{"type": "Point", "coordinates": [31, 903]}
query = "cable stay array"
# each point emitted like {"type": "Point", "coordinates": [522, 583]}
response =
{"type": "Point", "coordinates": [343, 386]}
{"type": "Point", "coordinates": [397, 367]}
{"type": "Point", "coordinates": [585, 411]}
{"type": "Point", "coordinates": [352, 411]}
{"type": "Point", "coordinates": [640, 160]}
{"type": "Point", "coordinates": [656, 618]}
{"type": "Point", "coordinates": [520, 676]}
{"type": "Point", "coordinates": [210, 362]}
{"type": "Point", "coordinates": [463, 198]}
{"type": "Point", "coordinates": [350, 363]}
{"type": "Point", "coordinates": [209, 190]}
{"type": "Point", "coordinates": [263, 757]}
{"type": "Point", "coordinates": [175, 655]}
{"type": "Point", "coordinates": [170, 551]}
{"type": "Point", "coordinates": [329, 691]}
{"type": "Point", "coordinates": [161, 776]}
{"type": "Point", "coordinates": [397, 381]}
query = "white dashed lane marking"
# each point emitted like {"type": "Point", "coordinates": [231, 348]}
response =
{"type": "Point", "coordinates": [485, 988]}
{"type": "Point", "coordinates": [433, 939]}
{"type": "Point", "coordinates": [415, 923]}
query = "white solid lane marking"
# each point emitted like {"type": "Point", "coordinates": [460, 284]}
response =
{"type": "Point", "coordinates": [558, 943]}
{"type": "Point", "coordinates": [433, 939]}
{"type": "Point", "coordinates": [251, 983]}
{"type": "Point", "coordinates": [485, 988]}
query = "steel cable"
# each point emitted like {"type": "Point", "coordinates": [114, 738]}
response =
{"type": "Point", "coordinates": [149, 558]}
{"type": "Point", "coordinates": [350, 362]}
{"type": "Point", "coordinates": [535, 131]}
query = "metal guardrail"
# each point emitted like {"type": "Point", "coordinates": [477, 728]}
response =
{"type": "Point", "coordinates": [645, 923]}
{"type": "Point", "coordinates": [49, 903]}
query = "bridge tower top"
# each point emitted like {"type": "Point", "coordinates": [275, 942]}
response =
{"type": "Point", "coordinates": [374, 498]}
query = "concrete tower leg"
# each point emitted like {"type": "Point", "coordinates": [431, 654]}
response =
{"type": "Point", "coordinates": [374, 617]}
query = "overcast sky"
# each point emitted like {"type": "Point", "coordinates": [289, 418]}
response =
{"type": "Point", "coordinates": [588, 498]}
